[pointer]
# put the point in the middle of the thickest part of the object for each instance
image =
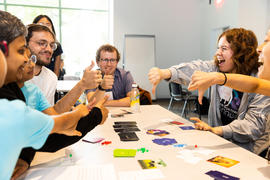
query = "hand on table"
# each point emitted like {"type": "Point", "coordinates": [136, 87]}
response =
{"type": "Point", "coordinates": [200, 125]}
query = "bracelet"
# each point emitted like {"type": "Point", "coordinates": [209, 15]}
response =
{"type": "Point", "coordinates": [100, 88]}
{"type": "Point", "coordinates": [225, 79]}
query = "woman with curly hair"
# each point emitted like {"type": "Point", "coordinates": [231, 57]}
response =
{"type": "Point", "coordinates": [234, 115]}
{"type": "Point", "coordinates": [261, 85]}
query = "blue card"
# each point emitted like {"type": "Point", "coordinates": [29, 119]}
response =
{"type": "Point", "coordinates": [164, 141]}
{"type": "Point", "coordinates": [187, 127]}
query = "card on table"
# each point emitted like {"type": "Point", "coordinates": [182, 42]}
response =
{"type": "Point", "coordinates": [117, 115]}
{"type": "Point", "coordinates": [92, 139]}
{"type": "Point", "coordinates": [129, 136]}
{"type": "Point", "coordinates": [124, 152]}
{"type": "Point", "coordinates": [221, 176]}
{"type": "Point", "coordinates": [157, 132]}
{"type": "Point", "coordinates": [124, 122]}
{"type": "Point", "coordinates": [223, 161]}
{"type": "Point", "coordinates": [125, 126]}
{"type": "Point", "coordinates": [186, 127]}
{"type": "Point", "coordinates": [127, 130]}
{"type": "Point", "coordinates": [151, 163]}
{"type": "Point", "coordinates": [175, 123]}
{"type": "Point", "coordinates": [165, 141]}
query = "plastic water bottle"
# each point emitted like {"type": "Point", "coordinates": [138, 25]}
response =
{"type": "Point", "coordinates": [135, 98]}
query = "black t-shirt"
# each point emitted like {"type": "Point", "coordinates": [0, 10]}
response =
{"type": "Point", "coordinates": [229, 104]}
{"type": "Point", "coordinates": [11, 91]}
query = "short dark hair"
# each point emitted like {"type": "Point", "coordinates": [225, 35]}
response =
{"type": "Point", "coordinates": [244, 44]}
{"type": "Point", "coordinates": [11, 27]}
{"type": "Point", "coordinates": [108, 48]}
{"type": "Point", "coordinates": [37, 28]}
{"type": "Point", "coordinates": [44, 16]}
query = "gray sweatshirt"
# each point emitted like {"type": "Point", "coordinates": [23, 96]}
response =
{"type": "Point", "coordinates": [251, 128]}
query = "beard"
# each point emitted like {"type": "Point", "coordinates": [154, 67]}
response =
{"type": "Point", "coordinates": [43, 63]}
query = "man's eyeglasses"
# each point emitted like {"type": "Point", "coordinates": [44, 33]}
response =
{"type": "Point", "coordinates": [43, 44]}
{"type": "Point", "coordinates": [4, 47]}
{"type": "Point", "coordinates": [105, 61]}
{"type": "Point", "coordinates": [33, 59]}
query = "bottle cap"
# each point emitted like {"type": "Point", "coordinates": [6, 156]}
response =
{"type": "Point", "coordinates": [134, 85]}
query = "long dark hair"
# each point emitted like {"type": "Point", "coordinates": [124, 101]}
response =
{"type": "Point", "coordinates": [44, 16]}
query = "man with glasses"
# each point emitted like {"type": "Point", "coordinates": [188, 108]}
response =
{"type": "Point", "coordinates": [41, 41]}
{"type": "Point", "coordinates": [116, 81]}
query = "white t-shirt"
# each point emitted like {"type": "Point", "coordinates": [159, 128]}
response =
{"type": "Point", "coordinates": [47, 82]}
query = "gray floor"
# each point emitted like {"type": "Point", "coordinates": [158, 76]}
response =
{"type": "Point", "coordinates": [177, 108]}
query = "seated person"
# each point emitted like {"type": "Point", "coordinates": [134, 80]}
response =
{"type": "Point", "coordinates": [22, 126]}
{"type": "Point", "coordinates": [202, 81]}
{"type": "Point", "coordinates": [42, 43]}
{"type": "Point", "coordinates": [62, 71]}
{"type": "Point", "coordinates": [54, 65]}
{"type": "Point", "coordinates": [14, 31]}
{"type": "Point", "coordinates": [234, 115]}
{"type": "Point", "coordinates": [116, 81]}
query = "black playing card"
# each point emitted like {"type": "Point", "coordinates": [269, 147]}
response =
{"type": "Point", "coordinates": [125, 122]}
{"type": "Point", "coordinates": [125, 126]}
{"type": "Point", "coordinates": [130, 136]}
{"type": "Point", "coordinates": [127, 130]}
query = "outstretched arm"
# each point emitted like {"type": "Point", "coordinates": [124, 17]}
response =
{"type": "Point", "coordinates": [156, 75]}
{"type": "Point", "coordinates": [202, 81]}
{"type": "Point", "coordinates": [90, 80]}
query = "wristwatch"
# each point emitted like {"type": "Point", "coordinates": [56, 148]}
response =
{"type": "Point", "coordinates": [100, 88]}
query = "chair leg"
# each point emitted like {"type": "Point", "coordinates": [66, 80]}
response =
{"type": "Point", "coordinates": [183, 110]}
{"type": "Point", "coordinates": [170, 103]}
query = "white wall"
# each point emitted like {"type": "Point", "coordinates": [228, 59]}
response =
{"type": "Point", "coordinates": [175, 23]}
{"type": "Point", "coordinates": [268, 16]}
{"type": "Point", "coordinates": [253, 15]}
{"type": "Point", "coordinates": [183, 27]}
{"type": "Point", "coordinates": [216, 16]}
{"type": "Point", "coordinates": [248, 14]}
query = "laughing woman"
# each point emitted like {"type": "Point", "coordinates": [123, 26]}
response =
{"type": "Point", "coordinates": [234, 115]}
{"type": "Point", "coordinates": [202, 80]}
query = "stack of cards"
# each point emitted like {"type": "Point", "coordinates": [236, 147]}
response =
{"type": "Point", "coordinates": [127, 130]}
{"type": "Point", "coordinates": [164, 141]}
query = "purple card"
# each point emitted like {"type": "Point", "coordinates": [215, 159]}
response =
{"type": "Point", "coordinates": [187, 127]}
{"type": "Point", "coordinates": [221, 176]}
{"type": "Point", "coordinates": [164, 141]}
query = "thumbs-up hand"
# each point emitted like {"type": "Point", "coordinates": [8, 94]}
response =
{"type": "Point", "coordinates": [107, 81]}
{"type": "Point", "coordinates": [91, 78]}
{"type": "Point", "coordinates": [104, 110]}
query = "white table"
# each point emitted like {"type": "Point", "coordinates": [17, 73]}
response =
{"type": "Point", "coordinates": [251, 166]}
{"type": "Point", "coordinates": [66, 85]}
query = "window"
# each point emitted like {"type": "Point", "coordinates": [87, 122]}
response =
{"type": "Point", "coordinates": [81, 26]}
